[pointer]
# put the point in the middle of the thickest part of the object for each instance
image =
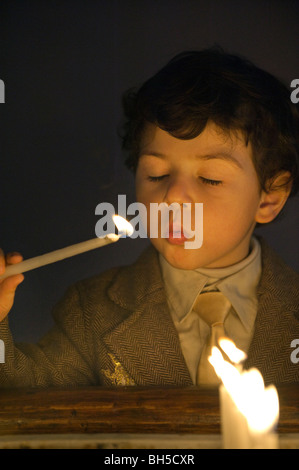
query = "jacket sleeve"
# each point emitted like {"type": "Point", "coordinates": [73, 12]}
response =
{"type": "Point", "coordinates": [61, 358]}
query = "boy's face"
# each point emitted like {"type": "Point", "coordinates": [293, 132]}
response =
{"type": "Point", "coordinates": [215, 169]}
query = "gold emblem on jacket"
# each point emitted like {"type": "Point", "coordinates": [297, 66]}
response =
{"type": "Point", "coordinates": [119, 376]}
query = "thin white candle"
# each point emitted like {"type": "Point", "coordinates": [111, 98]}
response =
{"type": "Point", "coordinates": [123, 226]}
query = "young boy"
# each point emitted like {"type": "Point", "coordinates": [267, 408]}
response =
{"type": "Point", "coordinates": [208, 128]}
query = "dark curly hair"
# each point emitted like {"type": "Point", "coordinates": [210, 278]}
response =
{"type": "Point", "coordinates": [196, 87]}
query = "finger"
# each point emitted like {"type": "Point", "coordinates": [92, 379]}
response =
{"type": "Point", "coordinates": [2, 261]}
{"type": "Point", "coordinates": [7, 291]}
{"type": "Point", "coordinates": [11, 283]}
{"type": "Point", "coordinates": [13, 257]}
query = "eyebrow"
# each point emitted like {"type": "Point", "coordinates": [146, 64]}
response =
{"type": "Point", "coordinates": [211, 156]}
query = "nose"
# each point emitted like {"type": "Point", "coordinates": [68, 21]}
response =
{"type": "Point", "coordinates": [178, 190]}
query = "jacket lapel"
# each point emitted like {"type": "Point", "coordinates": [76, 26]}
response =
{"type": "Point", "coordinates": [276, 323]}
{"type": "Point", "coordinates": [146, 340]}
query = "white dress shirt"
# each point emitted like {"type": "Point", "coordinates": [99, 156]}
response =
{"type": "Point", "coordinates": [238, 283]}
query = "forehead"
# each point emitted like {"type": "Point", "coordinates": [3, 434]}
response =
{"type": "Point", "coordinates": [213, 141]}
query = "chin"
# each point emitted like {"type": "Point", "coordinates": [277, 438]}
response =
{"type": "Point", "coordinates": [181, 258]}
{"type": "Point", "coordinates": [183, 265]}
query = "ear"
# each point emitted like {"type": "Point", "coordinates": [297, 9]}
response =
{"type": "Point", "coordinates": [273, 200]}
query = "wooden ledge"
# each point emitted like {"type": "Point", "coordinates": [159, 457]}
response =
{"type": "Point", "coordinates": [170, 410]}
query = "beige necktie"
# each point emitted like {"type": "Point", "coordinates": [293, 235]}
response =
{"type": "Point", "coordinates": [212, 307]}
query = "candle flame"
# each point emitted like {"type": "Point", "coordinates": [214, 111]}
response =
{"type": "Point", "coordinates": [123, 226]}
{"type": "Point", "coordinates": [258, 404]}
{"type": "Point", "coordinates": [235, 354]}
{"type": "Point", "coordinates": [229, 374]}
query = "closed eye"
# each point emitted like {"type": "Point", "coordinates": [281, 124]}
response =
{"type": "Point", "coordinates": [210, 182]}
{"type": "Point", "coordinates": [157, 178]}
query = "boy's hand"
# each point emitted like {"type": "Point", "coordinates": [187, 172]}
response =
{"type": "Point", "coordinates": [8, 286]}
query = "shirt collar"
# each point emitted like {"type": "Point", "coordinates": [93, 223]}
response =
{"type": "Point", "coordinates": [238, 282]}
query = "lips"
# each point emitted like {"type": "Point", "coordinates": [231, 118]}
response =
{"type": "Point", "coordinates": [174, 239]}
{"type": "Point", "coordinates": [176, 235]}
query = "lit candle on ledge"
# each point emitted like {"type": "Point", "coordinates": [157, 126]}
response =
{"type": "Point", "coordinates": [124, 228]}
{"type": "Point", "coordinates": [249, 411]}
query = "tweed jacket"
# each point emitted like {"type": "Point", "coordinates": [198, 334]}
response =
{"type": "Point", "coordinates": [116, 329]}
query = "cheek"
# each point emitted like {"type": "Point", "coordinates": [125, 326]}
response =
{"type": "Point", "coordinates": [147, 192]}
{"type": "Point", "coordinates": [144, 197]}
{"type": "Point", "coordinates": [230, 214]}
{"type": "Point", "coordinates": [247, 204]}
{"type": "Point", "coordinates": [141, 194]}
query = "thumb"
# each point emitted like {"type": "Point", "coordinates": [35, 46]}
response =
{"type": "Point", "coordinates": [7, 293]}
